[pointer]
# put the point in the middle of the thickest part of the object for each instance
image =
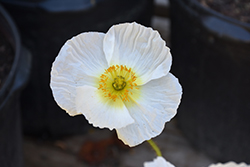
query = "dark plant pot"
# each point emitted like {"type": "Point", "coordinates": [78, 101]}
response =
{"type": "Point", "coordinates": [10, 121]}
{"type": "Point", "coordinates": [44, 30]}
{"type": "Point", "coordinates": [212, 60]}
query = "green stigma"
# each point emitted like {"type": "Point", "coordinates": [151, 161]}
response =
{"type": "Point", "coordinates": [119, 83]}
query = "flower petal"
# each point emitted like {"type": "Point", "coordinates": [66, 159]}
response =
{"type": "Point", "coordinates": [101, 111]}
{"type": "Point", "coordinates": [158, 162]}
{"type": "Point", "coordinates": [79, 62]}
{"type": "Point", "coordinates": [230, 164]}
{"type": "Point", "coordinates": [139, 48]}
{"type": "Point", "coordinates": [156, 105]}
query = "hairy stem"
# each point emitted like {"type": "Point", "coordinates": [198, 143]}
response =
{"type": "Point", "coordinates": [155, 147]}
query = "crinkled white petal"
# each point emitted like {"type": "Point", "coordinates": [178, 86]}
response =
{"type": "Point", "coordinates": [138, 47]}
{"type": "Point", "coordinates": [101, 112]}
{"type": "Point", "coordinates": [157, 104]}
{"type": "Point", "coordinates": [230, 164]}
{"type": "Point", "coordinates": [80, 62]}
{"type": "Point", "coordinates": [158, 162]}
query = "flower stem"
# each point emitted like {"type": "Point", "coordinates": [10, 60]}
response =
{"type": "Point", "coordinates": [155, 147]}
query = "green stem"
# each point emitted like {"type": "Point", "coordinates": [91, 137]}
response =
{"type": "Point", "coordinates": [155, 147]}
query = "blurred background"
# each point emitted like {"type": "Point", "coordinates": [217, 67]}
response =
{"type": "Point", "coordinates": [209, 42]}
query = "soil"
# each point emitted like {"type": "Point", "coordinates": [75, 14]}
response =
{"type": "Point", "coordinates": [238, 9]}
{"type": "Point", "coordinates": [6, 58]}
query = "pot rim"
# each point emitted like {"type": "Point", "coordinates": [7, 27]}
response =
{"type": "Point", "coordinates": [54, 6]}
{"type": "Point", "coordinates": [5, 90]}
{"type": "Point", "coordinates": [198, 6]}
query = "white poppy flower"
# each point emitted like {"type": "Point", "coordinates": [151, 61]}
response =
{"type": "Point", "coordinates": [158, 162]}
{"type": "Point", "coordinates": [118, 80]}
{"type": "Point", "coordinates": [230, 164]}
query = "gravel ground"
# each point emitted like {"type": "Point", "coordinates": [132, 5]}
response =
{"type": "Point", "coordinates": [101, 148]}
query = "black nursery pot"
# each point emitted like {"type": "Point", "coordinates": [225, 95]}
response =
{"type": "Point", "coordinates": [10, 120]}
{"type": "Point", "coordinates": [212, 60]}
{"type": "Point", "coordinates": [45, 26]}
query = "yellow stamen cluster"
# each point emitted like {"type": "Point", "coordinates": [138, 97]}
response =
{"type": "Point", "coordinates": [117, 82]}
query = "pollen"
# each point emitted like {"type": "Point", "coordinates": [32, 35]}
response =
{"type": "Point", "coordinates": [118, 81]}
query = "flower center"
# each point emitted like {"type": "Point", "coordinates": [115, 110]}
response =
{"type": "Point", "coordinates": [118, 82]}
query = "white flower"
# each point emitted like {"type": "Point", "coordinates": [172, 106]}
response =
{"type": "Point", "coordinates": [230, 164]}
{"type": "Point", "coordinates": [118, 80]}
{"type": "Point", "coordinates": [158, 162]}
